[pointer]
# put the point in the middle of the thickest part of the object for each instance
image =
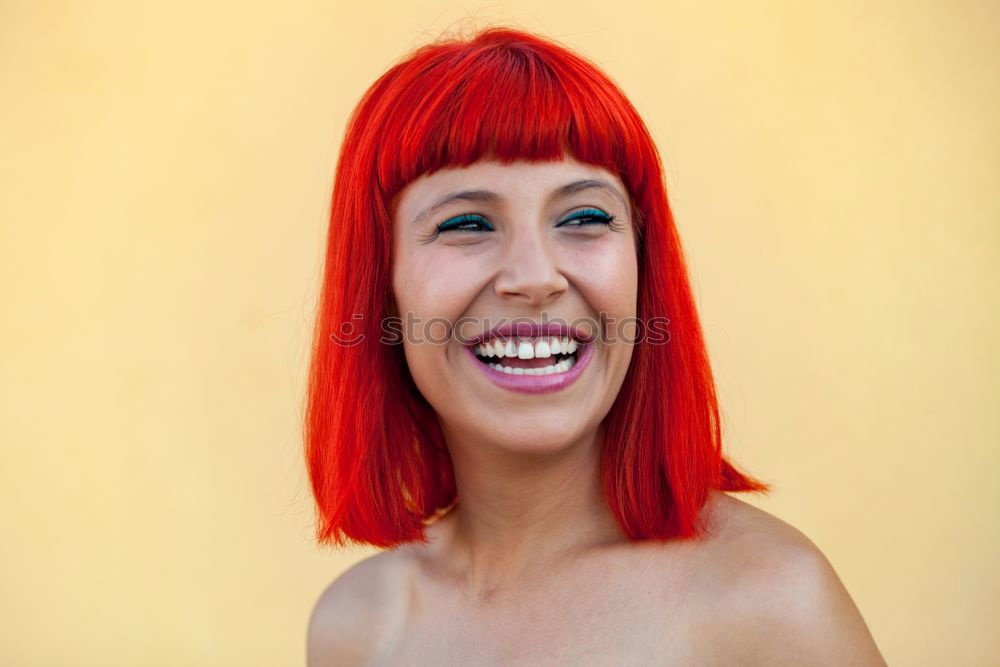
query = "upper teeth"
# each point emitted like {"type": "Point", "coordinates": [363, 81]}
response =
{"type": "Point", "coordinates": [527, 349]}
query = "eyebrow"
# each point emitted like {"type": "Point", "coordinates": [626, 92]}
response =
{"type": "Point", "coordinates": [492, 197]}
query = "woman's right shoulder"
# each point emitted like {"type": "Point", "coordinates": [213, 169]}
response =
{"type": "Point", "coordinates": [352, 619]}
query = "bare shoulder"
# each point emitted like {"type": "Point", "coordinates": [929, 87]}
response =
{"type": "Point", "coordinates": [778, 596]}
{"type": "Point", "coordinates": [351, 620]}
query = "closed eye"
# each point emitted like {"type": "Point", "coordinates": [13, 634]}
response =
{"type": "Point", "coordinates": [589, 216]}
{"type": "Point", "coordinates": [466, 223]}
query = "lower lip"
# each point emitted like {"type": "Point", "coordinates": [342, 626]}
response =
{"type": "Point", "coordinates": [536, 384]}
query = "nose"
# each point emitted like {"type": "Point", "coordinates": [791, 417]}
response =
{"type": "Point", "coordinates": [530, 273]}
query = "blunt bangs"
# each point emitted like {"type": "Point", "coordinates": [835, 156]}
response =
{"type": "Point", "coordinates": [503, 97]}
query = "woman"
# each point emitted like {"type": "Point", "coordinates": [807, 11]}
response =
{"type": "Point", "coordinates": [510, 392]}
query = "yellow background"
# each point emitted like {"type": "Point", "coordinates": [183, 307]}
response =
{"type": "Point", "coordinates": [166, 169]}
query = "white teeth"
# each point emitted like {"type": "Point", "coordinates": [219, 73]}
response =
{"type": "Point", "coordinates": [560, 367]}
{"type": "Point", "coordinates": [529, 349]}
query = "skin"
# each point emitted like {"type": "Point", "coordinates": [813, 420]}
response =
{"type": "Point", "coordinates": [530, 567]}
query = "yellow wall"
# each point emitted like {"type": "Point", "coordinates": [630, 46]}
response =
{"type": "Point", "coordinates": [165, 174]}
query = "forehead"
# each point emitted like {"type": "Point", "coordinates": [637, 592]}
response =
{"type": "Point", "coordinates": [521, 179]}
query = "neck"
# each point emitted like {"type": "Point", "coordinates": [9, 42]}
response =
{"type": "Point", "coordinates": [521, 516]}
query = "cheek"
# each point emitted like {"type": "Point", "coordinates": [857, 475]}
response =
{"type": "Point", "coordinates": [608, 276]}
{"type": "Point", "coordinates": [432, 291]}
{"type": "Point", "coordinates": [428, 284]}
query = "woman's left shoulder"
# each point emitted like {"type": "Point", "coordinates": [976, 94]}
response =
{"type": "Point", "coordinates": [776, 593]}
{"type": "Point", "coordinates": [740, 534]}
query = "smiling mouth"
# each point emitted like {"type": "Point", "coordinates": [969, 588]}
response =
{"type": "Point", "coordinates": [542, 355]}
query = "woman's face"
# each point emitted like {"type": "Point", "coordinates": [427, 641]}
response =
{"type": "Point", "coordinates": [494, 265]}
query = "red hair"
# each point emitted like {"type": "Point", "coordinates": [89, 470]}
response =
{"type": "Point", "coordinates": [376, 457]}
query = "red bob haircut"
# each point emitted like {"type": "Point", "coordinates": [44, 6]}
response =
{"type": "Point", "coordinates": [376, 456]}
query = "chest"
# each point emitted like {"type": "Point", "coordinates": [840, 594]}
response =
{"type": "Point", "coordinates": [616, 615]}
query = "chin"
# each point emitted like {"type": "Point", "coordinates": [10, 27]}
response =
{"type": "Point", "coordinates": [541, 435]}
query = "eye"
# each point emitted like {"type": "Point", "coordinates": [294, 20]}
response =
{"type": "Point", "coordinates": [586, 217]}
{"type": "Point", "coordinates": [466, 223]}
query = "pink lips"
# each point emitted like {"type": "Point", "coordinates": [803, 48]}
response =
{"type": "Point", "coordinates": [537, 384]}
